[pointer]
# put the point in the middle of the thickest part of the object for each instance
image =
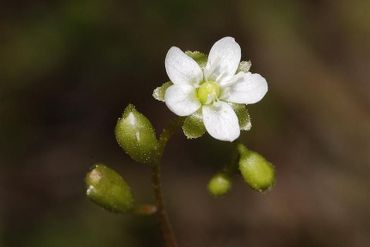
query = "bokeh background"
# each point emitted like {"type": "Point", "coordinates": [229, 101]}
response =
{"type": "Point", "coordinates": [68, 68]}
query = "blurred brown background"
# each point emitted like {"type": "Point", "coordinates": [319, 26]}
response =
{"type": "Point", "coordinates": [68, 68]}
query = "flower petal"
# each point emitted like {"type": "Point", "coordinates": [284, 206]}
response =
{"type": "Point", "coordinates": [221, 121]}
{"type": "Point", "coordinates": [181, 99]}
{"type": "Point", "coordinates": [223, 60]}
{"type": "Point", "coordinates": [182, 69]}
{"type": "Point", "coordinates": [246, 88]}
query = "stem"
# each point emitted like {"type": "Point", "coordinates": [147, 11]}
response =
{"type": "Point", "coordinates": [166, 227]}
{"type": "Point", "coordinates": [232, 166]}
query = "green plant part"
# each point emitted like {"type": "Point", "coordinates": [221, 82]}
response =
{"type": "Point", "coordinates": [107, 189]}
{"type": "Point", "coordinates": [243, 116]}
{"type": "Point", "coordinates": [136, 136]}
{"type": "Point", "coordinates": [244, 66]}
{"type": "Point", "coordinates": [198, 57]}
{"type": "Point", "coordinates": [193, 126]}
{"type": "Point", "coordinates": [208, 92]}
{"type": "Point", "coordinates": [219, 185]}
{"type": "Point", "coordinates": [257, 172]}
{"type": "Point", "coordinates": [159, 92]}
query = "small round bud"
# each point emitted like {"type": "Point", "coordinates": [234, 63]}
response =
{"type": "Point", "coordinates": [107, 188]}
{"type": "Point", "coordinates": [257, 172]}
{"type": "Point", "coordinates": [136, 136]}
{"type": "Point", "coordinates": [219, 185]}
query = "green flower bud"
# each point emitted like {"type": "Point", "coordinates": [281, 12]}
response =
{"type": "Point", "coordinates": [136, 136]}
{"type": "Point", "coordinates": [107, 188]}
{"type": "Point", "coordinates": [257, 172]}
{"type": "Point", "coordinates": [219, 185]}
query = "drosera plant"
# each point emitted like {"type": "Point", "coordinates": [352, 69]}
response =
{"type": "Point", "coordinates": [208, 93]}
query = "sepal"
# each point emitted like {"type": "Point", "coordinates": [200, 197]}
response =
{"type": "Point", "coordinates": [198, 57]}
{"type": "Point", "coordinates": [244, 66]}
{"type": "Point", "coordinates": [193, 126]}
{"type": "Point", "coordinates": [159, 92]}
{"type": "Point", "coordinates": [243, 116]}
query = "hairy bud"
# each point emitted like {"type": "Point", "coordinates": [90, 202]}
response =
{"type": "Point", "coordinates": [136, 136]}
{"type": "Point", "coordinates": [257, 172]}
{"type": "Point", "coordinates": [107, 188]}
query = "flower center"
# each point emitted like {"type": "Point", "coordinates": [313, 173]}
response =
{"type": "Point", "coordinates": [208, 92]}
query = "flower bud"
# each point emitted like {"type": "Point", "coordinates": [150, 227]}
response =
{"type": "Point", "coordinates": [257, 172]}
{"type": "Point", "coordinates": [219, 185]}
{"type": "Point", "coordinates": [107, 188]}
{"type": "Point", "coordinates": [136, 136]}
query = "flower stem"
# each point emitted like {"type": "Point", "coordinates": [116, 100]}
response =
{"type": "Point", "coordinates": [166, 227]}
{"type": "Point", "coordinates": [233, 165]}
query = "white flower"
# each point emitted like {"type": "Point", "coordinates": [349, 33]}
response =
{"type": "Point", "coordinates": [211, 89]}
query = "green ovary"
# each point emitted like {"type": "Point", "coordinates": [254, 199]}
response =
{"type": "Point", "coordinates": [208, 92]}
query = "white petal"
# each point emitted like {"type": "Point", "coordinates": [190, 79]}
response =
{"type": "Point", "coordinates": [246, 88]}
{"type": "Point", "coordinates": [221, 121]}
{"type": "Point", "coordinates": [223, 60]}
{"type": "Point", "coordinates": [182, 69]}
{"type": "Point", "coordinates": [181, 99]}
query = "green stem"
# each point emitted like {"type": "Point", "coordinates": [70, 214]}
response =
{"type": "Point", "coordinates": [166, 227]}
{"type": "Point", "coordinates": [232, 166]}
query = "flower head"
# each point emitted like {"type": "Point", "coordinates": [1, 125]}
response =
{"type": "Point", "coordinates": [211, 89]}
